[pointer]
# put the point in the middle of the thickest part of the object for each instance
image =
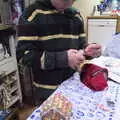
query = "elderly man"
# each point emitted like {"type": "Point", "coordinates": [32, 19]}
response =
{"type": "Point", "coordinates": [50, 34]}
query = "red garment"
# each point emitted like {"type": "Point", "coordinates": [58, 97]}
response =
{"type": "Point", "coordinates": [94, 77]}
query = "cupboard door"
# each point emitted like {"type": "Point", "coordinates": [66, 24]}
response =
{"type": "Point", "coordinates": [101, 30]}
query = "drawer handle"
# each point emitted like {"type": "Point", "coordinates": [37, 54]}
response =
{"type": "Point", "coordinates": [101, 25]}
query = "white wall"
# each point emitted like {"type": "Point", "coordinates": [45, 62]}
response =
{"type": "Point", "coordinates": [85, 7]}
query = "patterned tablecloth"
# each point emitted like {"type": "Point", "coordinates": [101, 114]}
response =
{"type": "Point", "coordinates": [88, 104]}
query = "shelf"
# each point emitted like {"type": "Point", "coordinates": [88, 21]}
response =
{"type": "Point", "coordinates": [6, 60]}
{"type": "Point", "coordinates": [10, 76]}
{"type": "Point", "coordinates": [13, 90]}
{"type": "Point", "coordinates": [14, 100]}
{"type": "Point", "coordinates": [9, 82]}
{"type": "Point", "coordinates": [7, 66]}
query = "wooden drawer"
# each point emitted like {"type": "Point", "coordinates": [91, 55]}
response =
{"type": "Point", "coordinates": [102, 22]}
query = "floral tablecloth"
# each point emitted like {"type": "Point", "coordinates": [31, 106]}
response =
{"type": "Point", "coordinates": [88, 104]}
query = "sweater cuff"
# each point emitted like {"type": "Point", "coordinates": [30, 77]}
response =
{"type": "Point", "coordinates": [61, 59]}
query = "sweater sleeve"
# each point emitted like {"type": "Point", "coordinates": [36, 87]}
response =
{"type": "Point", "coordinates": [82, 35]}
{"type": "Point", "coordinates": [51, 60]}
{"type": "Point", "coordinates": [45, 59]}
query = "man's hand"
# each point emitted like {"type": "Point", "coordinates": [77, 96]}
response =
{"type": "Point", "coordinates": [93, 50]}
{"type": "Point", "coordinates": [75, 58]}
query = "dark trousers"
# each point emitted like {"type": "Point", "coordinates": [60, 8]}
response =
{"type": "Point", "coordinates": [41, 94]}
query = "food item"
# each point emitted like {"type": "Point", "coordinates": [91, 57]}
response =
{"type": "Point", "coordinates": [57, 107]}
{"type": "Point", "coordinates": [53, 115]}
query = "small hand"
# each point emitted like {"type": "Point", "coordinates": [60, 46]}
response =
{"type": "Point", "coordinates": [93, 50]}
{"type": "Point", "coordinates": [75, 58]}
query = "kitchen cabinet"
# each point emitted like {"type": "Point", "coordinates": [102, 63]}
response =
{"type": "Point", "coordinates": [100, 29]}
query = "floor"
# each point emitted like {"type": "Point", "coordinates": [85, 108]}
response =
{"type": "Point", "coordinates": [25, 111]}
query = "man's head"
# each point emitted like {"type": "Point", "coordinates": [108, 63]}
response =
{"type": "Point", "coordinates": [61, 5]}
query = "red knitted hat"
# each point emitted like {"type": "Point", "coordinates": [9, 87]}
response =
{"type": "Point", "coordinates": [94, 77]}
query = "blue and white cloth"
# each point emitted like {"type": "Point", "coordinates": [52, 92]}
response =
{"type": "Point", "coordinates": [88, 104]}
{"type": "Point", "coordinates": [113, 47]}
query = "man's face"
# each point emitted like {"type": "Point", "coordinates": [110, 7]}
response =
{"type": "Point", "coordinates": [61, 5]}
